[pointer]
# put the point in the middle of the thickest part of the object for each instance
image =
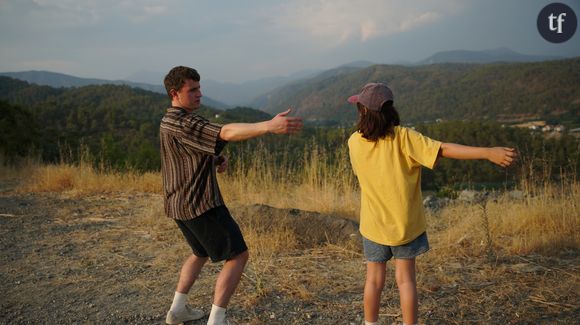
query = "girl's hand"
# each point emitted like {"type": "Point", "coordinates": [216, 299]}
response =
{"type": "Point", "coordinates": [502, 156]}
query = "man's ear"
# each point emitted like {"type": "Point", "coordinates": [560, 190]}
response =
{"type": "Point", "coordinates": [172, 93]}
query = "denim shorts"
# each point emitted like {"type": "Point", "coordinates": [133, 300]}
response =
{"type": "Point", "coordinates": [378, 253]}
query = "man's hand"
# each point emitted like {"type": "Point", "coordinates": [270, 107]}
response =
{"type": "Point", "coordinates": [283, 124]}
{"type": "Point", "coordinates": [221, 163]}
{"type": "Point", "coordinates": [280, 124]}
{"type": "Point", "coordinates": [502, 156]}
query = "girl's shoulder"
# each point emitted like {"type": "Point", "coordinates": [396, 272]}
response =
{"type": "Point", "coordinates": [402, 129]}
{"type": "Point", "coordinates": [356, 138]}
{"type": "Point", "coordinates": [406, 131]}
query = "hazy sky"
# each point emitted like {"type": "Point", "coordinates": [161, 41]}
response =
{"type": "Point", "coordinates": [245, 40]}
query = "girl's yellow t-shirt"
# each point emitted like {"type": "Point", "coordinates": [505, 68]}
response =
{"type": "Point", "coordinates": [389, 174]}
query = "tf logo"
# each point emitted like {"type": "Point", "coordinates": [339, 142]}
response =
{"type": "Point", "coordinates": [557, 23]}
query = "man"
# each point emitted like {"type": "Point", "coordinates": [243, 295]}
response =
{"type": "Point", "coordinates": [190, 155]}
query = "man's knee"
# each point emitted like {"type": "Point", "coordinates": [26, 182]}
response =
{"type": "Point", "coordinates": [198, 259]}
{"type": "Point", "coordinates": [241, 257]}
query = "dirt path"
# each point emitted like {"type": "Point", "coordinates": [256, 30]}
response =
{"type": "Point", "coordinates": [94, 259]}
{"type": "Point", "coordinates": [114, 259]}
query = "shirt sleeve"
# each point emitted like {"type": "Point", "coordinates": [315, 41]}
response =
{"type": "Point", "coordinates": [199, 134]}
{"type": "Point", "coordinates": [422, 150]}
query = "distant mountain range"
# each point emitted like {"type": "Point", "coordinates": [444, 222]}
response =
{"type": "Point", "coordinates": [506, 92]}
{"type": "Point", "coordinates": [502, 54]}
{"type": "Point", "coordinates": [230, 93]}
{"type": "Point", "coordinates": [257, 93]}
{"type": "Point", "coordinates": [250, 93]}
{"type": "Point", "coordinates": [242, 94]}
{"type": "Point", "coordinates": [59, 80]}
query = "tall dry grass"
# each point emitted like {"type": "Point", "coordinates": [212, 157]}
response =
{"type": "Point", "coordinates": [542, 217]}
{"type": "Point", "coordinates": [84, 178]}
{"type": "Point", "coordinates": [547, 223]}
{"type": "Point", "coordinates": [324, 182]}
{"type": "Point", "coordinates": [545, 219]}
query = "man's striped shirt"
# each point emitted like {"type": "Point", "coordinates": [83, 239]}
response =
{"type": "Point", "coordinates": [189, 144]}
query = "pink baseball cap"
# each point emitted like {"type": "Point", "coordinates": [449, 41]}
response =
{"type": "Point", "coordinates": [373, 96]}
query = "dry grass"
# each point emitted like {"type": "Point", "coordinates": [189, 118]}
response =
{"type": "Point", "coordinates": [320, 186]}
{"type": "Point", "coordinates": [547, 223]}
{"type": "Point", "coordinates": [86, 179]}
{"type": "Point", "coordinates": [526, 283]}
{"type": "Point", "coordinates": [544, 221]}
{"type": "Point", "coordinates": [268, 241]}
{"type": "Point", "coordinates": [324, 183]}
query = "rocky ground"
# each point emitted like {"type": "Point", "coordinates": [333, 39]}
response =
{"type": "Point", "coordinates": [114, 259]}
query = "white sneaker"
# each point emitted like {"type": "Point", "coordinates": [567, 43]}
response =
{"type": "Point", "coordinates": [186, 314]}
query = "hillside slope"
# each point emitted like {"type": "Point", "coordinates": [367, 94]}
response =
{"type": "Point", "coordinates": [118, 123]}
{"type": "Point", "coordinates": [504, 92]}
{"type": "Point", "coordinates": [60, 80]}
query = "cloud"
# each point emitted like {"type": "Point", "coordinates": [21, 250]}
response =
{"type": "Point", "coordinates": [142, 11]}
{"type": "Point", "coordinates": [368, 30]}
{"type": "Point", "coordinates": [335, 22]}
{"type": "Point", "coordinates": [66, 12]}
{"type": "Point", "coordinates": [155, 10]}
{"type": "Point", "coordinates": [70, 13]}
{"type": "Point", "coordinates": [422, 19]}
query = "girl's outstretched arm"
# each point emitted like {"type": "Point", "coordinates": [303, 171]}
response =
{"type": "Point", "coordinates": [500, 156]}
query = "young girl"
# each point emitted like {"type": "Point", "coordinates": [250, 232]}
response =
{"type": "Point", "coordinates": [387, 160]}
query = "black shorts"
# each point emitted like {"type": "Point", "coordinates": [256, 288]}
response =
{"type": "Point", "coordinates": [215, 234]}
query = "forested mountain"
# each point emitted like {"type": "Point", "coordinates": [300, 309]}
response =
{"type": "Point", "coordinates": [505, 92]}
{"type": "Point", "coordinates": [59, 80]}
{"type": "Point", "coordinates": [118, 127]}
{"type": "Point", "coordinates": [502, 54]}
{"type": "Point", "coordinates": [119, 124]}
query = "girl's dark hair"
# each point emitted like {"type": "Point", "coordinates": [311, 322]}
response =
{"type": "Point", "coordinates": [376, 125]}
{"type": "Point", "coordinates": [176, 77]}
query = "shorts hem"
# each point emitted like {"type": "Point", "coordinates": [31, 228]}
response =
{"type": "Point", "coordinates": [379, 253]}
{"type": "Point", "coordinates": [421, 252]}
{"type": "Point", "coordinates": [228, 256]}
{"type": "Point", "coordinates": [197, 254]}
{"type": "Point", "coordinates": [383, 261]}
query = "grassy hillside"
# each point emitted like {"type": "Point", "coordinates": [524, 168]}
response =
{"type": "Point", "coordinates": [119, 125]}
{"type": "Point", "coordinates": [505, 92]}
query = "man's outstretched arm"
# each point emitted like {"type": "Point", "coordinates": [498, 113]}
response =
{"type": "Point", "coordinates": [500, 156]}
{"type": "Point", "coordinates": [280, 124]}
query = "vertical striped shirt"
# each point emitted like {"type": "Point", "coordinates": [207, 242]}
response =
{"type": "Point", "coordinates": [189, 143]}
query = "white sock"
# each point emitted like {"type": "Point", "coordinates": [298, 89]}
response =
{"type": "Point", "coordinates": [217, 316]}
{"type": "Point", "coordinates": [370, 323]}
{"type": "Point", "coordinates": [179, 301]}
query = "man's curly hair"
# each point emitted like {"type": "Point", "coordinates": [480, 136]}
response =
{"type": "Point", "coordinates": [177, 76]}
